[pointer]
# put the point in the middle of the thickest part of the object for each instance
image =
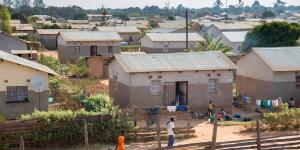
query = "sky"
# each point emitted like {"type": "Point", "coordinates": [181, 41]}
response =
{"type": "Point", "coordinates": [92, 4]}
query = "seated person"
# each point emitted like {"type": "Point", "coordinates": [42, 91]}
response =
{"type": "Point", "coordinates": [225, 115]}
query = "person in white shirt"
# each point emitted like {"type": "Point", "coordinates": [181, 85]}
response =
{"type": "Point", "coordinates": [171, 131]}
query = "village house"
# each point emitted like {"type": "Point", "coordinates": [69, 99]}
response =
{"type": "Point", "coordinates": [269, 73]}
{"type": "Point", "coordinates": [27, 54]}
{"type": "Point", "coordinates": [25, 28]}
{"type": "Point", "coordinates": [145, 80]}
{"type": "Point", "coordinates": [16, 93]}
{"type": "Point", "coordinates": [169, 42]}
{"type": "Point", "coordinates": [48, 37]}
{"type": "Point", "coordinates": [131, 35]}
{"type": "Point", "coordinates": [217, 28]}
{"type": "Point", "coordinates": [233, 39]}
{"type": "Point", "coordinates": [8, 43]}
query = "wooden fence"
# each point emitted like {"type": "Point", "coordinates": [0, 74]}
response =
{"type": "Point", "coordinates": [274, 143]}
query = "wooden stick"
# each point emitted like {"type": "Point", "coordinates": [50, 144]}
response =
{"type": "Point", "coordinates": [86, 135]}
{"type": "Point", "coordinates": [214, 136]}
{"type": "Point", "coordinates": [22, 147]}
{"type": "Point", "coordinates": [158, 131]}
{"type": "Point", "coordinates": [258, 142]}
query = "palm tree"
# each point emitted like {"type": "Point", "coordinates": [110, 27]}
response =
{"type": "Point", "coordinates": [210, 45]}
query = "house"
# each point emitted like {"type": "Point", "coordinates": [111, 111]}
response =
{"type": "Point", "coordinates": [48, 37]}
{"type": "Point", "coordinates": [25, 28]}
{"type": "Point", "coordinates": [8, 42]}
{"type": "Point", "coordinates": [27, 54]}
{"type": "Point", "coordinates": [78, 21]}
{"type": "Point", "coordinates": [74, 44]}
{"type": "Point", "coordinates": [16, 93]}
{"type": "Point", "coordinates": [145, 80]}
{"type": "Point", "coordinates": [268, 73]}
{"type": "Point", "coordinates": [217, 28]}
{"type": "Point", "coordinates": [129, 34]}
{"type": "Point", "coordinates": [169, 42]}
{"type": "Point", "coordinates": [233, 39]}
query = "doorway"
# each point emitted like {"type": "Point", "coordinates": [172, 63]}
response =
{"type": "Point", "coordinates": [176, 93]}
{"type": "Point", "coordinates": [93, 50]}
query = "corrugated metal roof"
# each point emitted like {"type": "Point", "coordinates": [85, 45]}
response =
{"type": "Point", "coordinates": [53, 31]}
{"type": "Point", "coordinates": [21, 61]}
{"type": "Point", "coordinates": [237, 36]}
{"type": "Point", "coordinates": [120, 29]}
{"type": "Point", "coordinates": [78, 21]}
{"type": "Point", "coordinates": [174, 37]}
{"type": "Point", "coordinates": [162, 30]}
{"type": "Point", "coordinates": [174, 62]}
{"type": "Point", "coordinates": [173, 24]}
{"type": "Point", "coordinates": [235, 25]}
{"type": "Point", "coordinates": [23, 51]}
{"type": "Point", "coordinates": [280, 58]}
{"type": "Point", "coordinates": [90, 36]}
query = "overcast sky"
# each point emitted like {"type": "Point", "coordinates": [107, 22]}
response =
{"type": "Point", "coordinates": [91, 4]}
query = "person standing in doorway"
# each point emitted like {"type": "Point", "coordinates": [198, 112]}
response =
{"type": "Point", "coordinates": [121, 141]}
{"type": "Point", "coordinates": [171, 132]}
{"type": "Point", "coordinates": [210, 108]}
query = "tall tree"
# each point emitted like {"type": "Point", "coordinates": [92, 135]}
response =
{"type": "Point", "coordinates": [25, 3]}
{"type": "Point", "coordinates": [217, 7]}
{"type": "Point", "coordinates": [17, 3]}
{"type": "Point", "coordinates": [39, 4]}
{"type": "Point", "coordinates": [279, 6]}
{"type": "Point", "coordinates": [8, 3]}
{"type": "Point", "coordinates": [104, 17]}
{"type": "Point", "coordinates": [5, 20]}
{"type": "Point", "coordinates": [256, 8]}
{"type": "Point", "coordinates": [240, 6]}
{"type": "Point", "coordinates": [273, 34]}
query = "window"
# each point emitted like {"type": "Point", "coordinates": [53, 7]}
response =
{"type": "Point", "coordinates": [166, 49]}
{"type": "Point", "coordinates": [17, 93]}
{"type": "Point", "coordinates": [155, 87]}
{"type": "Point", "coordinates": [212, 85]}
{"type": "Point", "coordinates": [130, 39]}
{"type": "Point", "coordinates": [77, 50]}
{"type": "Point", "coordinates": [297, 81]}
{"type": "Point", "coordinates": [110, 49]}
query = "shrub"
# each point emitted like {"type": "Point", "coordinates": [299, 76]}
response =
{"type": "Point", "coordinates": [52, 63]}
{"type": "Point", "coordinates": [79, 69]}
{"type": "Point", "coordinates": [100, 103]}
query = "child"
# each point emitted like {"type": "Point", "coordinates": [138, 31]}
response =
{"type": "Point", "coordinates": [121, 141]}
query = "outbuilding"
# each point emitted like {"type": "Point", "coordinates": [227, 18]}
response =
{"type": "Point", "coordinates": [144, 80]}
{"type": "Point", "coordinates": [8, 43]}
{"type": "Point", "coordinates": [169, 42]}
{"type": "Point", "coordinates": [269, 73]}
{"type": "Point", "coordinates": [16, 92]}
{"type": "Point", "coordinates": [233, 39]}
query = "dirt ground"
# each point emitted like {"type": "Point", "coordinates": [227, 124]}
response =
{"type": "Point", "coordinates": [203, 134]}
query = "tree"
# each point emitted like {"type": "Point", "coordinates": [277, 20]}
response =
{"type": "Point", "coordinates": [104, 17]}
{"type": "Point", "coordinates": [256, 8]}
{"type": "Point", "coordinates": [268, 14]}
{"type": "Point", "coordinates": [210, 45]}
{"type": "Point", "coordinates": [39, 4]}
{"type": "Point", "coordinates": [279, 6]}
{"type": "Point", "coordinates": [81, 16]}
{"type": "Point", "coordinates": [19, 16]}
{"type": "Point", "coordinates": [5, 20]}
{"type": "Point", "coordinates": [25, 3]}
{"type": "Point", "coordinates": [240, 6]}
{"type": "Point", "coordinates": [217, 7]}
{"type": "Point", "coordinates": [171, 18]}
{"type": "Point", "coordinates": [273, 34]}
{"type": "Point", "coordinates": [17, 3]}
{"type": "Point", "coordinates": [8, 3]}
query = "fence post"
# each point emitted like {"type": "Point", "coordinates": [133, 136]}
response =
{"type": "Point", "coordinates": [258, 142]}
{"type": "Point", "coordinates": [86, 136]}
{"type": "Point", "coordinates": [158, 131]}
{"type": "Point", "coordinates": [214, 136]}
{"type": "Point", "coordinates": [22, 143]}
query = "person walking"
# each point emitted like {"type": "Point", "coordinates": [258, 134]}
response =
{"type": "Point", "coordinates": [171, 132]}
{"type": "Point", "coordinates": [121, 141]}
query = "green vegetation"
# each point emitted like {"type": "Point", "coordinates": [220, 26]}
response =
{"type": "Point", "coordinates": [171, 18]}
{"type": "Point", "coordinates": [130, 48]}
{"type": "Point", "coordinates": [268, 14]}
{"type": "Point", "coordinates": [282, 118]}
{"type": "Point", "coordinates": [53, 64]}
{"type": "Point", "coordinates": [273, 34]}
{"type": "Point", "coordinates": [79, 69]}
{"type": "Point", "coordinates": [5, 20]}
{"type": "Point", "coordinates": [210, 45]}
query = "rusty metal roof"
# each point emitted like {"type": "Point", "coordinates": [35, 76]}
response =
{"type": "Point", "coordinates": [90, 36]}
{"type": "Point", "coordinates": [24, 62]}
{"type": "Point", "coordinates": [174, 37]}
{"type": "Point", "coordinates": [213, 60]}
{"type": "Point", "coordinates": [280, 58]}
